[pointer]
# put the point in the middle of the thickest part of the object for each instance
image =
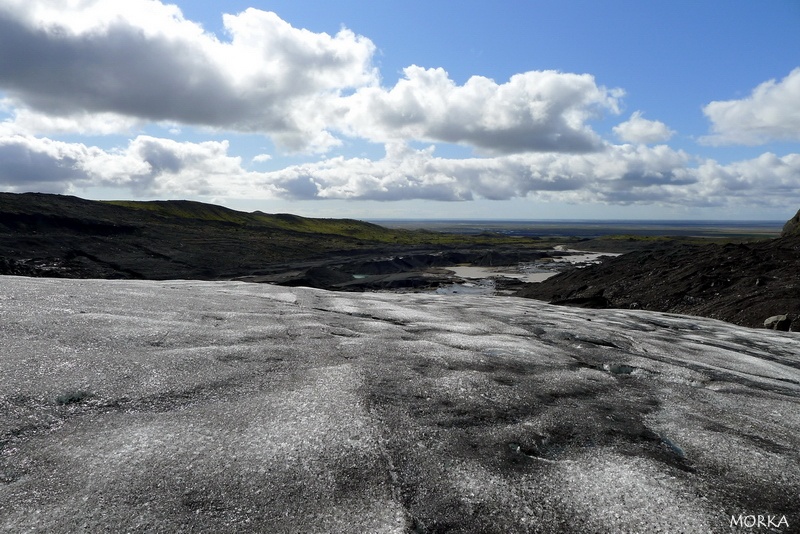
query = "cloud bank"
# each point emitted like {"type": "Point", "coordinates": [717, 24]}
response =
{"type": "Point", "coordinates": [621, 174]}
{"type": "Point", "coordinates": [625, 174]}
{"type": "Point", "coordinates": [147, 165]}
{"type": "Point", "coordinates": [101, 67]}
{"type": "Point", "coordinates": [110, 64]}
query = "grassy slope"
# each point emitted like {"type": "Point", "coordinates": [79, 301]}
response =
{"type": "Point", "coordinates": [184, 239]}
{"type": "Point", "coordinates": [198, 211]}
{"type": "Point", "coordinates": [344, 228]}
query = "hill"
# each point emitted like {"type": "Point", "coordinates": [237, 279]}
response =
{"type": "Point", "coordinates": [65, 236]}
{"type": "Point", "coordinates": [792, 226]}
{"type": "Point", "coordinates": [743, 283]}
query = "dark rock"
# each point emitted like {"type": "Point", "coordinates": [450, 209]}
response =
{"type": "Point", "coordinates": [783, 322]}
{"type": "Point", "coordinates": [17, 268]}
{"type": "Point", "coordinates": [420, 261]}
{"type": "Point", "coordinates": [69, 237]}
{"type": "Point", "coordinates": [398, 264]}
{"type": "Point", "coordinates": [319, 277]}
{"type": "Point", "coordinates": [410, 280]}
{"type": "Point", "coordinates": [596, 302]}
{"type": "Point", "coordinates": [500, 258]}
{"type": "Point", "coordinates": [739, 283]}
{"type": "Point", "coordinates": [792, 226]}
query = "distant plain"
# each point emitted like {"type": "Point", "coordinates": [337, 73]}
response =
{"type": "Point", "coordinates": [593, 228]}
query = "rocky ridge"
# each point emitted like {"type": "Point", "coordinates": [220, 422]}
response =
{"type": "Point", "coordinates": [746, 284]}
{"type": "Point", "coordinates": [792, 226]}
{"type": "Point", "coordinates": [69, 237]}
{"type": "Point", "coordinates": [750, 284]}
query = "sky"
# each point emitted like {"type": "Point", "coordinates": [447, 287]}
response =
{"type": "Point", "coordinates": [523, 109]}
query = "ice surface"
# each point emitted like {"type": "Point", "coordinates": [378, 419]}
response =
{"type": "Point", "coordinates": [186, 406]}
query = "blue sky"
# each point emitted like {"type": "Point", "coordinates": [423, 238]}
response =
{"type": "Point", "coordinates": [524, 109]}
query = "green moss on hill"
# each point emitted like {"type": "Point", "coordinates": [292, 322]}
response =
{"type": "Point", "coordinates": [67, 236]}
{"type": "Point", "coordinates": [346, 228]}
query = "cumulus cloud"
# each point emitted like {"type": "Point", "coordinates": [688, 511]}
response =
{"type": "Point", "coordinates": [640, 130]}
{"type": "Point", "coordinates": [142, 59]}
{"type": "Point", "coordinates": [533, 111]}
{"type": "Point", "coordinates": [24, 121]}
{"type": "Point", "coordinates": [770, 113]}
{"type": "Point", "coordinates": [109, 64]}
{"type": "Point", "coordinates": [148, 165]}
{"type": "Point", "coordinates": [620, 174]}
{"type": "Point", "coordinates": [623, 174]}
{"type": "Point", "coordinates": [104, 66]}
{"type": "Point", "coordinates": [45, 165]}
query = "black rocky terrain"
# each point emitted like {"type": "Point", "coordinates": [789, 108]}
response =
{"type": "Point", "coordinates": [745, 283]}
{"type": "Point", "coordinates": [792, 226]}
{"type": "Point", "coordinates": [415, 270]}
{"type": "Point", "coordinates": [68, 237]}
{"type": "Point", "coordinates": [59, 236]}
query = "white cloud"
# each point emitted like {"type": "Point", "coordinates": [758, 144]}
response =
{"type": "Point", "coordinates": [146, 166]}
{"type": "Point", "coordinates": [105, 65]}
{"type": "Point", "coordinates": [770, 113]}
{"type": "Point", "coordinates": [640, 130]}
{"type": "Point", "coordinates": [141, 59]}
{"type": "Point", "coordinates": [624, 174]}
{"type": "Point", "coordinates": [620, 174]}
{"type": "Point", "coordinates": [25, 121]}
{"type": "Point", "coordinates": [533, 111]}
{"type": "Point", "coordinates": [42, 165]}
